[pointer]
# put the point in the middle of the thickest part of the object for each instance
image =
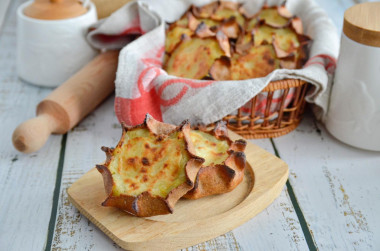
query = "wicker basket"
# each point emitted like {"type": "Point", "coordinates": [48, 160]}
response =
{"type": "Point", "coordinates": [269, 123]}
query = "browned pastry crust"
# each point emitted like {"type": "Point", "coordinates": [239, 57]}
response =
{"type": "Point", "coordinates": [149, 202]}
{"type": "Point", "coordinates": [224, 177]}
{"type": "Point", "coordinates": [247, 46]}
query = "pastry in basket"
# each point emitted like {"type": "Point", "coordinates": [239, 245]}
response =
{"type": "Point", "coordinates": [150, 169]}
{"type": "Point", "coordinates": [224, 164]}
{"type": "Point", "coordinates": [221, 41]}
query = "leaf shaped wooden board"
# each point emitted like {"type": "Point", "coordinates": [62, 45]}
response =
{"type": "Point", "coordinates": [193, 221]}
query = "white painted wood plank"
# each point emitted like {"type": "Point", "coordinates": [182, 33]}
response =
{"type": "Point", "coordinates": [4, 4]}
{"type": "Point", "coordinates": [254, 234]}
{"type": "Point", "coordinates": [335, 9]}
{"type": "Point", "coordinates": [26, 181]}
{"type": "Point", "coordinates": [277, 227]}
{"type": "Point", "coordinates": [72, 230]}
{"type": "Point", "coordinates": [337, 187]}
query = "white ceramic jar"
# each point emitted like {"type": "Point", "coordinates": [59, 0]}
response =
{"type": "Point", "coordinates": [51, 51]}
{"type": "Point", "coordinates": [354, 111]}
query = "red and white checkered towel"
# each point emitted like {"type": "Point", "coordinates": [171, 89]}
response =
{"type": "Point", "coordinates": [143, 87]}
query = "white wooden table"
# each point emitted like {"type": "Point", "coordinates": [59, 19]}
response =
{"type": "Point", "coordinates": [331, 201]}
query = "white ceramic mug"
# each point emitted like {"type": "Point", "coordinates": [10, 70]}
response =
{"type": "Point", "coordinates": [51, 51]}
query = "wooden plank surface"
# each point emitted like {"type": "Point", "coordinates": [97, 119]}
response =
{"type": "Point", "coordinates": [335, 9]}
{"type": "Point", "coordinates": [193, 221]}
{"type": "Point", "coordinates": [276, 227]}
{"type": "Point", "coordinates": [337, 187]}
{"type": "Point", "coordinates": [4, 4]}
{"type": "Point", "coordinates": [27, 182]}
{"type": "Point", "coordinates": [72, 230]}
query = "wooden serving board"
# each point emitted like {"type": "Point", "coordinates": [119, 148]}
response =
{"type": "Point", "coordinates": [193, 221]}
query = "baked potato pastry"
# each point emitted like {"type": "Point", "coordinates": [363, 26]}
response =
{"type": "Point", "coordinates": [193, 57]}
{"type": "Point", "coordinates": [220, 41]}
{"type": "Point", "coordinates": [150, 169]}
{"type": "Point", "coordinates": [224, 164]}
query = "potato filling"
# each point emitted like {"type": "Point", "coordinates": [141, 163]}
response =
{"type": "Point", "coordinates": [146, 162]}
{"type": "Point", "coordinates": [214, 151]}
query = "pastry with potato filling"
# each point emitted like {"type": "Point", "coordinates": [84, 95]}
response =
{"type": "Point", "coordinates": [174, 36]}
{"type": "Point", "coordinates": [215, 40]}
{"type": "Point", "coordinates": [192, 58]}
{"type": "Point", "coordinates": [255, 63]}
{"type": "Point", "coordinates": [150, 168]}
{"type": "Point", "coordinates": [224, 164]}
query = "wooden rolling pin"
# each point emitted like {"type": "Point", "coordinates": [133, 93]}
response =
{"type": "Point", "coordinates": [69, 103]}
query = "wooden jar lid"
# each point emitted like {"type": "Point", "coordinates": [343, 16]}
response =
{"type": "Point", "coordinates": [362, 23]}
{"type": "Point", "coordinates": [55, 9]}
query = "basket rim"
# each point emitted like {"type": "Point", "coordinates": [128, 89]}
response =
{"type": "Point", "coordinates": [283, 84]}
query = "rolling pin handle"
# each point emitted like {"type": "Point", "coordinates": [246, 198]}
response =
{"type": "Point", "coordinates": [31, 135]}
{"type": "Point", "coordinates": [69, 103]}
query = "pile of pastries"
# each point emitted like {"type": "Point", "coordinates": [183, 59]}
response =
{"type": "Point", "coordinates": [155, 164]}
{"type": "Point", "coordinates": [220, 41]}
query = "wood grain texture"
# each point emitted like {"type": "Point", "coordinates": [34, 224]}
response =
{"type": "Point", "coordinates": [69, 103]}
{"type": "Point", "coordinates": [362, 23]}
{"type": "Point", "coordinates": [26, 181]}
{"type": "Point", "coordinates": [340, 201]}
{"type": "Point", "coordinates": [276, 227]}
{"type": "Point", "coordinates": [335, 10]}
{"type": "Point", "coordinates": [4, 4]}
{"type": "Point", "coordinates": [192, 221]}
{"type": "Point", "coordinates": [337, 187]}
{"type": "Point", "coordinates": [72, 230]}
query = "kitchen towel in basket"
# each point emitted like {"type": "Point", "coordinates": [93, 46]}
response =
{"type": "Point", "coordinates": [143, 87]}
